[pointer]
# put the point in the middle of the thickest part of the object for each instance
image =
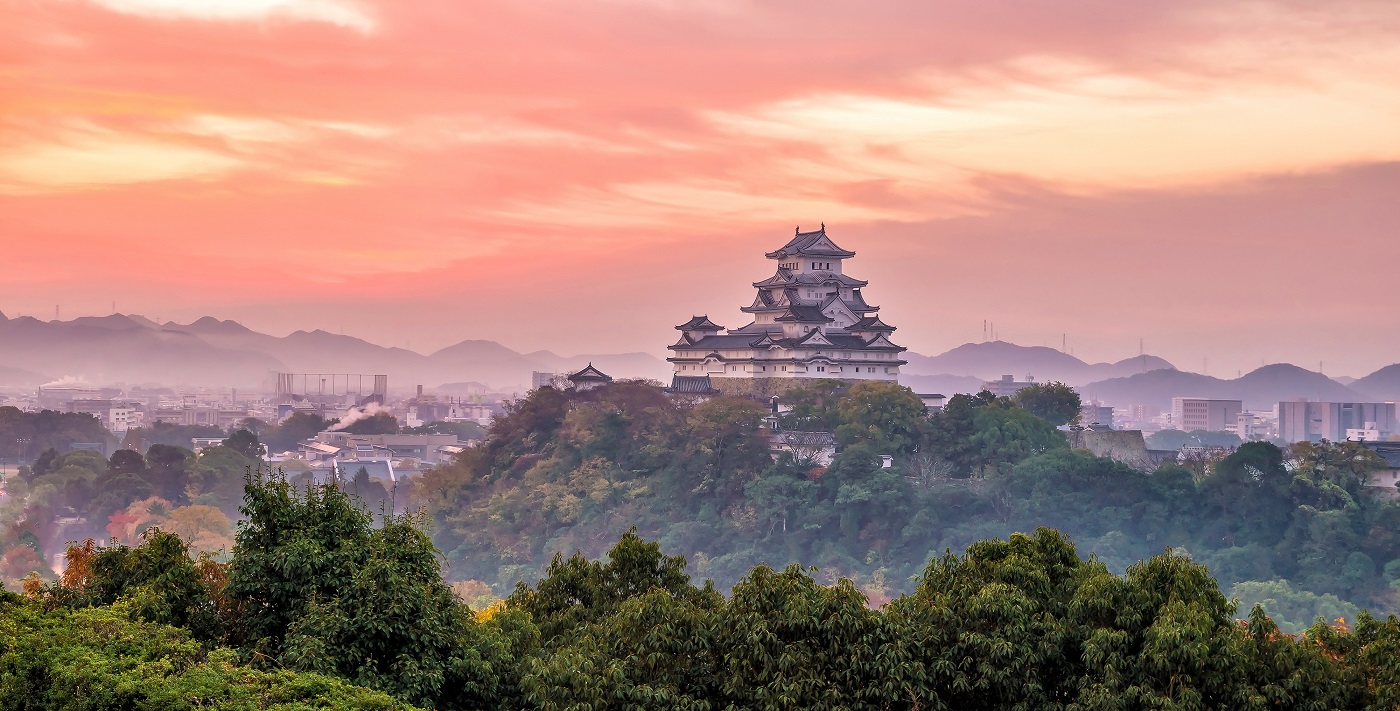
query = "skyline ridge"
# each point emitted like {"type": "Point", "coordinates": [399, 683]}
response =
{"type": "Point", "coordinates": [984, 360]}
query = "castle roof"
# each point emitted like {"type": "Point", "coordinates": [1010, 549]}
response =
{"type": "Point", "coordinates": [692, 384]}
{"type": "Point", "coordinates": [786, 278]}
{"type": "Point", "coordinates": [590, 374]}
{"type": "Point", "coordinates": [804, 314]}
{"type": "Point", "coordinates": [870, 323]}
{"type": "Point", "coordinates": [700, 323]}
{"type": "Point", "coordinates": [858, 302]}
{"type": "Point", "coordinates": [813, 244]}
{"type": "Point", "coordinates": [738, 341]}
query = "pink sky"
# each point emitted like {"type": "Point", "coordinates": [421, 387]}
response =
{"type": "Point", "coordinates": [1219, 179]}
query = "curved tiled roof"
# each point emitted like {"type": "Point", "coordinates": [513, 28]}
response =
{"type": "Point", "coordinates": [805, 243]}
{"type": "Point", "coordinates": [733, 341]}
{"type": "Point", "coordinates": [694, 384]}
{"type": "Point", "coordinates": [700, 323]}
{"type": "Point", "coordinates": [870, 323]}
{"type": "Point", "coordinates": [786, 278]}
{"type": "Point", "coordinates": [804, 314]}
{"type": "Point", "coordinates": [590, 374]}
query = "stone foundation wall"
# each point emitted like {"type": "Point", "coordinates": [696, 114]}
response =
{"type": "Point", "coordinates": [763, 388]}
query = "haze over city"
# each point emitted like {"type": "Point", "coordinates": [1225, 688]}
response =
{"type": "Point", "coordinates": [517, 355]}
{"type": "Point", "coordinates": [1215, 180]}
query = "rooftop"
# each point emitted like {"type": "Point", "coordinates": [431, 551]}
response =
{"type": "Point", "coordinates": [692, 384]}
{"type": "Point", "coordinates": [815, 244]}
{"type": "Point", "coordinates": [698, 323]}
{"type": "Point", "coordinates": [591, 374]}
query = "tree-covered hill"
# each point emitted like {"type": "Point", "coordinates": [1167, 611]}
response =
{"type": "Point", "coordinates": [322, 608]}
{"type": "Point", "coordinates": [565, 471]}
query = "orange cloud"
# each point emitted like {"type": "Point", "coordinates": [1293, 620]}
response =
{"type": "Point", "coordinates": [275, 151]}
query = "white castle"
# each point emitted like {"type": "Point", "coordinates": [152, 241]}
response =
{"type": "Point", "coordinates": [809, 321]}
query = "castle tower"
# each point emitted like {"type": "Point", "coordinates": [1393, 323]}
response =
{"type": "Point", "coordinates": [810, 320]}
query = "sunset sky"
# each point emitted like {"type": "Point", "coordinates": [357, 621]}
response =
{"type": "Point", "coordinates": [1218, 179]}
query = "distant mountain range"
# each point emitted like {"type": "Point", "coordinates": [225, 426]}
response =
{"type": "Point", "coordinates": [1146, 380]}
{"type": "Point", "coordinates": [210, 352]}
{"type": "Point", "coordinates": [992, 359]}
{"type": "Point", "coordinates": [1259, 389]}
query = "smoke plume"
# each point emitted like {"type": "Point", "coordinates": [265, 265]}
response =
{"type": "Point", "coordinates": [355, 414]}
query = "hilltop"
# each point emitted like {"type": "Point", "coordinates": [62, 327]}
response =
{"type": "Point", "coordinates": [1259, 389]}
{"type": "Point", "coordinates": [992, 359]}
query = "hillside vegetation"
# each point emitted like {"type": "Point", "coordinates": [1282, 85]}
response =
{"type": "Point", "coordinates": [322, 608]}
{"type": "Point", "coordinates": [567, 471]}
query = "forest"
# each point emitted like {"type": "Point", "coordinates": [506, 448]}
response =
{"type": "Point", "coordinates": [322, 605]}
{"type": "Point", "coordinates": [618, 548]}
{"type": "Point", "coordinates": [156, 481]}
{"type": "Point", "coordinates": [1295, 528]}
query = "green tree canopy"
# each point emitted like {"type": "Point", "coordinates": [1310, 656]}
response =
{"type": "Point", "coordinates": [1053, 402]}
{"type": "Point", "coordinates": [245, 443]}
{"type": "Point", "coordinates": [889, 416]}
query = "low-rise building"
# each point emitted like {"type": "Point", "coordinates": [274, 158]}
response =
{"type": "Point", "coordinates": [425, 448]}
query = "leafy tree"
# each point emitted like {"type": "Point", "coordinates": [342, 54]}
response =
{"type": "Point", "coordinates": [168, 470]}
{"type": "Point", "coordinates": [369, 492]}
{"type": "Point", "coordinates": [25, 434]}
{"type": "Point", "coordinates": [889, 416]}
{"type": "Point", "coordinates": [245, 443]}
{"type": "Point", "coordinates": [126, 461]}
{"type": "Point", "coordinates": [576, 591]}
{"type": "Point", "coordinates": [1291, 610]}
{"type": "Point", "coordinates": [788, 642]}
{"type": "Point", "coordinates": [116, 493]}
{"type": "Point", "coordinates": [44, 464]}
{"type": "Point", "coordinates": [395, 626]}
{"type": "Point", "coordinates": [1162, 637]}
{"type": "Point", "coordinates": [1007, 603]}
{"type": "Point", "coordinates": [1053, 402]}
{"type": "Point", "coordinates": [378, 423]}
{"type": "Point", "coordinates": [812, 406]}
{"type": "Point", "coordinates": [323, 590]}
{"type": "Point", "coordinates": [981, 434]}
{"type": "Point", "coordinates": [101, 659]}
{"type": "Point", "coordinates": [158, 578]}
{"type": "Point", "coordinates": [205, 528]}
{"type": "Point", "coordinates": [254, 425]}
{"type": "Point", "coordinates": [297, 427]}
{"type": "Point", "coordinates": [290, 550]}
{"type": "Point", "coordinates": [465, 431]}
{"type": "Point", "coordinates": [167, 433]}
{"type": "Point", "coordinates": [217, 476]}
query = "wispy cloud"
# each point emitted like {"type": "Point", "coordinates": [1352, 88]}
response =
{"type": "Point", "coordinates": [452, 143]}
{"type": "Point", "coordinates": [75, 160]}
{"type": "Point", "coordinates": [343, 13]}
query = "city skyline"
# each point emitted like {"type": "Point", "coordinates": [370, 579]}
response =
{"type": "Point", "coordinates": [1213, 180]}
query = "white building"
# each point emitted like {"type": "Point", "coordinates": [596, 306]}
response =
{"type": "Point", "coordinates": [1198, 413]}
{"type": "Point", "coordinates": [121, 418]}
{"type": "Point", "coordinates": [810, 321]}
{"type": "Point", "coordinates": [1302, 421]}
{"type": "Point", "coordinates": [1008, 385]}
